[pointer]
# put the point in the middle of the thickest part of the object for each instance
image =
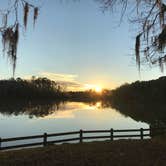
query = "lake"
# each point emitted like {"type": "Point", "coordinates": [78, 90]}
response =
{"type": "Point", "coordinates": [22, 119]}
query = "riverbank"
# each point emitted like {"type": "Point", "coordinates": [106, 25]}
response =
{"type": "Point", "coordinates": [104, 153]}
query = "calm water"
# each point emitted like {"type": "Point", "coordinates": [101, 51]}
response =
{"type": "Point", "coordinates": [37, 119]}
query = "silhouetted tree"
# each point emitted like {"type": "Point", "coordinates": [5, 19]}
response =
{"type": "Point", "coordinates": [10, 29]}
{"type": "Point", "coordinates": [29, 89]}
{"type": "Point", "coordinates": [140, 92]}
{"type": "Point", "coordinates": [148, 15]}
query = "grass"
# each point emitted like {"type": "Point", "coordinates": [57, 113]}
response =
{"type": "Point", "coordinates": [105, 153]}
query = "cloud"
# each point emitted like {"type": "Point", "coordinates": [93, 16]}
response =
{"type": "Point", "coordinates": [72, 86]}
{"type": "Point", "coordinates": [59, 77]}
{"type": "Point", "coordinates": [67, 80]}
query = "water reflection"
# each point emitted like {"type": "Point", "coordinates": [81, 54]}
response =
{"type": "Point", "coordinates": [44, 108]}
{"type": "Point", "coordinates": [31, 118]}
{"type": "Point", "coordinates": [148, 113]}
{"type": "Point", "coordinates": [30, 108]}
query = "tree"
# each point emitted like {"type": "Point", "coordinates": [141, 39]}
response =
{"type": "Point", "coordinates": [10, 30]}
{"type": "Point", "coordinates": [148, 15]}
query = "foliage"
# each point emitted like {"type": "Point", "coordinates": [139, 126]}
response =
{"type": "Point", "coordinates": [39, 88]}
{"type": "Point", "coordinates": [10, 30]}
{"type": "Point", "coordinates": [141, 92]}
{"type": "Point", "coordinates": [30, 89]}
{"type": "Point", "coordinates": [84, 96]}
{"type": "Point", "coordinates": [141, 100]}
{"type": "Point", "coordinates": [149, 17]}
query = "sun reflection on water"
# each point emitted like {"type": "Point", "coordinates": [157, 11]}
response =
{"type": "Point", "coordinates": [69, 110]}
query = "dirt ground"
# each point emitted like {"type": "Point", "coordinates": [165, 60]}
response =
{"type": "Point", "coordinates": [106, 153]}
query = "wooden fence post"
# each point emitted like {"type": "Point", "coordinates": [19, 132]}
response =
{"type": "Point", "coordinates": [141, 132]}
{"type": "Point", "coordinates": [81, 134]}
{"type": "Point", "coordinates": [45, 139]}
{"type": "Point", "coordinates": [112, 134]}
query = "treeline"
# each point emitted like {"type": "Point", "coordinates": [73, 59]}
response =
{"type": "Point", "coordinates": [89, 95]}
{"type": "Point", "coordinates": [43, 88]}
{"type": "Point", "coordinates": [142, 100]}
{"type": "Point", "coordinates": [29, 89]}
{"type": "Point", "coordinates": [145, 92]}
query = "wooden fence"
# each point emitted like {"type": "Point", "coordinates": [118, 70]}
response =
{"type": "Point", "coordinates": [79, 136]}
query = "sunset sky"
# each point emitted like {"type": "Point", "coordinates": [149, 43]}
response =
{"type": "Point", "coordinates": [76, 43]}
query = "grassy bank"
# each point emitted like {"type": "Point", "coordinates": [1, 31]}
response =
{"type": "Point", "coordinates": [116, 153]}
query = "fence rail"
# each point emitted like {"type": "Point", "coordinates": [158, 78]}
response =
{"type": "Point", "coordinates": [81, 135]}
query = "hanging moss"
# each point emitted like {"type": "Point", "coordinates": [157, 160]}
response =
{"type": "Point", "coordinates": [137, 50]}
{"type": "Point", "coordinates": [162, 39]}
{"type": "Point", "coordinates": [10, 38]}
{"type": "Point", "coordinates": [35, 15]}
{"type": "Point", "coordinates": [26, 11]}
{"type": "Point", "coordinates": [161, 65]}
{"type": "Point", "coordinates": [10, 29]}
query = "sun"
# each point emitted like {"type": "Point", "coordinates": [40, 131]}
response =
{"type": "Point", "coordinates": [98, 89]}
{"type": "Point", "coordinates": [95, 88]}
